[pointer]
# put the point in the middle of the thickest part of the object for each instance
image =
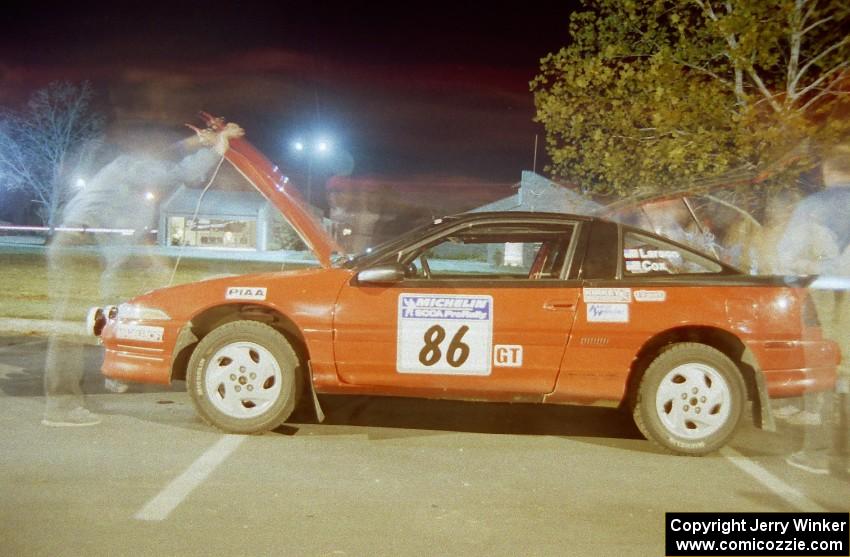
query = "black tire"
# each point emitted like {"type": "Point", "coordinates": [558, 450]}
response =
{"type": "Point", "coordinates": [690, 399]}
{"type": "Point", "coordinates": [244, 377]}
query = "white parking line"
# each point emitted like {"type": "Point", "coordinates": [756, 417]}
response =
{"type": "Point", "coordinates": [174, 493]}
{"type": "Point", "coordinates": [789, 494]}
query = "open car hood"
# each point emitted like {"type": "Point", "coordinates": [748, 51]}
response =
{"type": "Point", "coordinates": [274, 186]}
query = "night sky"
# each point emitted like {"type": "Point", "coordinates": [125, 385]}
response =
{"type": "Point", "coordinates": [411, 91]}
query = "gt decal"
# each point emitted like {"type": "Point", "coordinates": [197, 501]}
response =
{"type": "Point", "coordinates": [444, 334]}
{"type": "Point", "coordinates": [608, 313]}
{"type": "Point", "coordinates": [245, 293]}
{"type": "Point", "coordinates": [507, 355]}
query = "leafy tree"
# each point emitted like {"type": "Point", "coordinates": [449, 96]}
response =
{"type": "Point", "coordinates": [651, 95]}
{"type": "Point", "coordinates": [42, 145]}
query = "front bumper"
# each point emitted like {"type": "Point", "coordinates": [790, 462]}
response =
{"type": "Point", "coordinates": [135, 350]}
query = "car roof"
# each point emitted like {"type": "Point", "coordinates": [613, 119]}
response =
{"type": "Point", "coordinates": [518, 215]}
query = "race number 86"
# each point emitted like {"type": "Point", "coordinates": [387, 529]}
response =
{"type": "Point", "coordinates": [456, 353]}
{"type": "Point", "coordinates": [444, 334]}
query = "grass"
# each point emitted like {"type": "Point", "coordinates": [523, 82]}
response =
{"type": "Point", "coordinates": [25, 283]}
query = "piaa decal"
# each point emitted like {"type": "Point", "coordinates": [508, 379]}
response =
{"type": "Point", "coordinates": [245, 293]}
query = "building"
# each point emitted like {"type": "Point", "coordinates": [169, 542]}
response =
{"type": "Point", "coordinates": [538, 194]}
{"type": "Point", "coordinates": [241, 220]}
{"type": "Point", "coordinates": [534, 194]}
{"type": "Point", "coordinates": [364, 211]}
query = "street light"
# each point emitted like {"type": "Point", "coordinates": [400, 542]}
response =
{"type": "Point", "coordinates": [318, 147]}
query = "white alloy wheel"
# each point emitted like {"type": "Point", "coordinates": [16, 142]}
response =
{"type": "Point", "coordinates": [693, 401]}
{"type": "Point", "coordinates": [690, 399]}
{"type": "Point", "coordinates": [243, 379]}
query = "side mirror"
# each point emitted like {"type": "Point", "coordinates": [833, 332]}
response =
{"type": "Point", "coordinates": [385, 274]}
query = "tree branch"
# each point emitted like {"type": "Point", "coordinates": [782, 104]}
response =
{"type": "Point", "coordinates": [816, 83]}
{"type": "Point", "coordinates": [815, 25]}
{"type": "Point", "coordinates": [815, 60]}
{"type": "Point", "coordinates": [824, 92]}
{"type": "Point", "coordinates": [794, 51]}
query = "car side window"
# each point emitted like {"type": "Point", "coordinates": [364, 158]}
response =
{"type": "Point", "coordinates": [509, 252]}
{"type": "Point", "coordinates": [644, 255]}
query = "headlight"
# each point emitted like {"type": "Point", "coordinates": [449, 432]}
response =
{"type": "Point", "coordinates": [95, 320]}
{"type": "Point", "coordinates": [133, 311]}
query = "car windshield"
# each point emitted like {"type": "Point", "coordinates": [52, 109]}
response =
{"type": "Point", "coordinates": [372, 254]}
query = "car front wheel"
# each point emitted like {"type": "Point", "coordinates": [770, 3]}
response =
{"type": "Point", "coordinates": [244, 377]}
{"type": "Point", "coordinates": [690, 399]}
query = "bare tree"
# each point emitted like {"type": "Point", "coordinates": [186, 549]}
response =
{"type": "Point", "coordinates": [42, 145]}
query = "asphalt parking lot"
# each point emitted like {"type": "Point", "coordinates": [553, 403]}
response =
{"type": "Point", "coordinates": [382, 476]}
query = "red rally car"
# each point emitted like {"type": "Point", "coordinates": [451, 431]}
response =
{"type": "Point", "coordinates": [516, 307]}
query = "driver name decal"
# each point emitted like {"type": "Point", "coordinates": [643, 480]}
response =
{"type": "Point", "coordinates": [639, 260]}
{"type": "Point", "coordinates": [442, 334]}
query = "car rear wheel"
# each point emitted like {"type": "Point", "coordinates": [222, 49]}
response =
{"type": "Point", "coordinates": [244, 377]}
{"type": "Point", "coordinates": [690, 399]}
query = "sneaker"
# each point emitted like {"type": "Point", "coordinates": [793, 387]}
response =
{"type": "Point", "coordinates": [79, 416]}
{"type": "Point", "coordinates": [805, 417]}
{"type": "Point", "coordinates": [813, 463]}
{"type": "Point", "coordinates": [115, 386]}
{"type": "Point", "coordinates": [785, 412]}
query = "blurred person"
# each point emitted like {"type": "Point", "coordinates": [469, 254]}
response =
{"type": "Point", "coordinates": [756, 245]}
{"type": "Point", "coordinates": [673, 219]}
{"type": "Point", "coordinates": [778, 212]}
{"type": "Point", "coordinates": [113, 199]}
{"type": "Point", "coordinates": [815, 242]}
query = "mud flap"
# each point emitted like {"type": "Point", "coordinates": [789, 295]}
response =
{"type": "Point", "coordinates": [762, 412]}
{"type": "Point", "coordinates": [320, 414]}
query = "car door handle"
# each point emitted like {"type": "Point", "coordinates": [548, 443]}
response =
{"type": "Point", "coordinates": [558, 305]}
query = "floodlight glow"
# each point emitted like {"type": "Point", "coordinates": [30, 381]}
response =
{"type": "Point", "coordinates": [298, 146]}
{"type": "Point", "coordinates": [150, 196]}
{"type": "Point", "coordinates": [80, 183]}
{"type": "Point", "coordinates": [323, 146]}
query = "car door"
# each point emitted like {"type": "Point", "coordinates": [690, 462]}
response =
{"type": "Point", "coordinates": [485, 307]}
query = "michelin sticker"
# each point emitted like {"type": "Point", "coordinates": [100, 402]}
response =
{"type": "Point", "coordinates": [245, 293]}
{"type": "Point", "coordinates": [444, 334]}
{"type": "Point", "coordinates": [650, 295]}
{"type": "Point", "coordinates": [606, 295]}
{"type": "Point", "coordinates": [145, 333]}
{"type": "Point", "coordinates": [607, 313]}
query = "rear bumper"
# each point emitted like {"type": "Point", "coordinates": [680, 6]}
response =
{"type": "Point", "coordinates": [794, 368]}
{"type": "Point", "coordinates": [797, 382]}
